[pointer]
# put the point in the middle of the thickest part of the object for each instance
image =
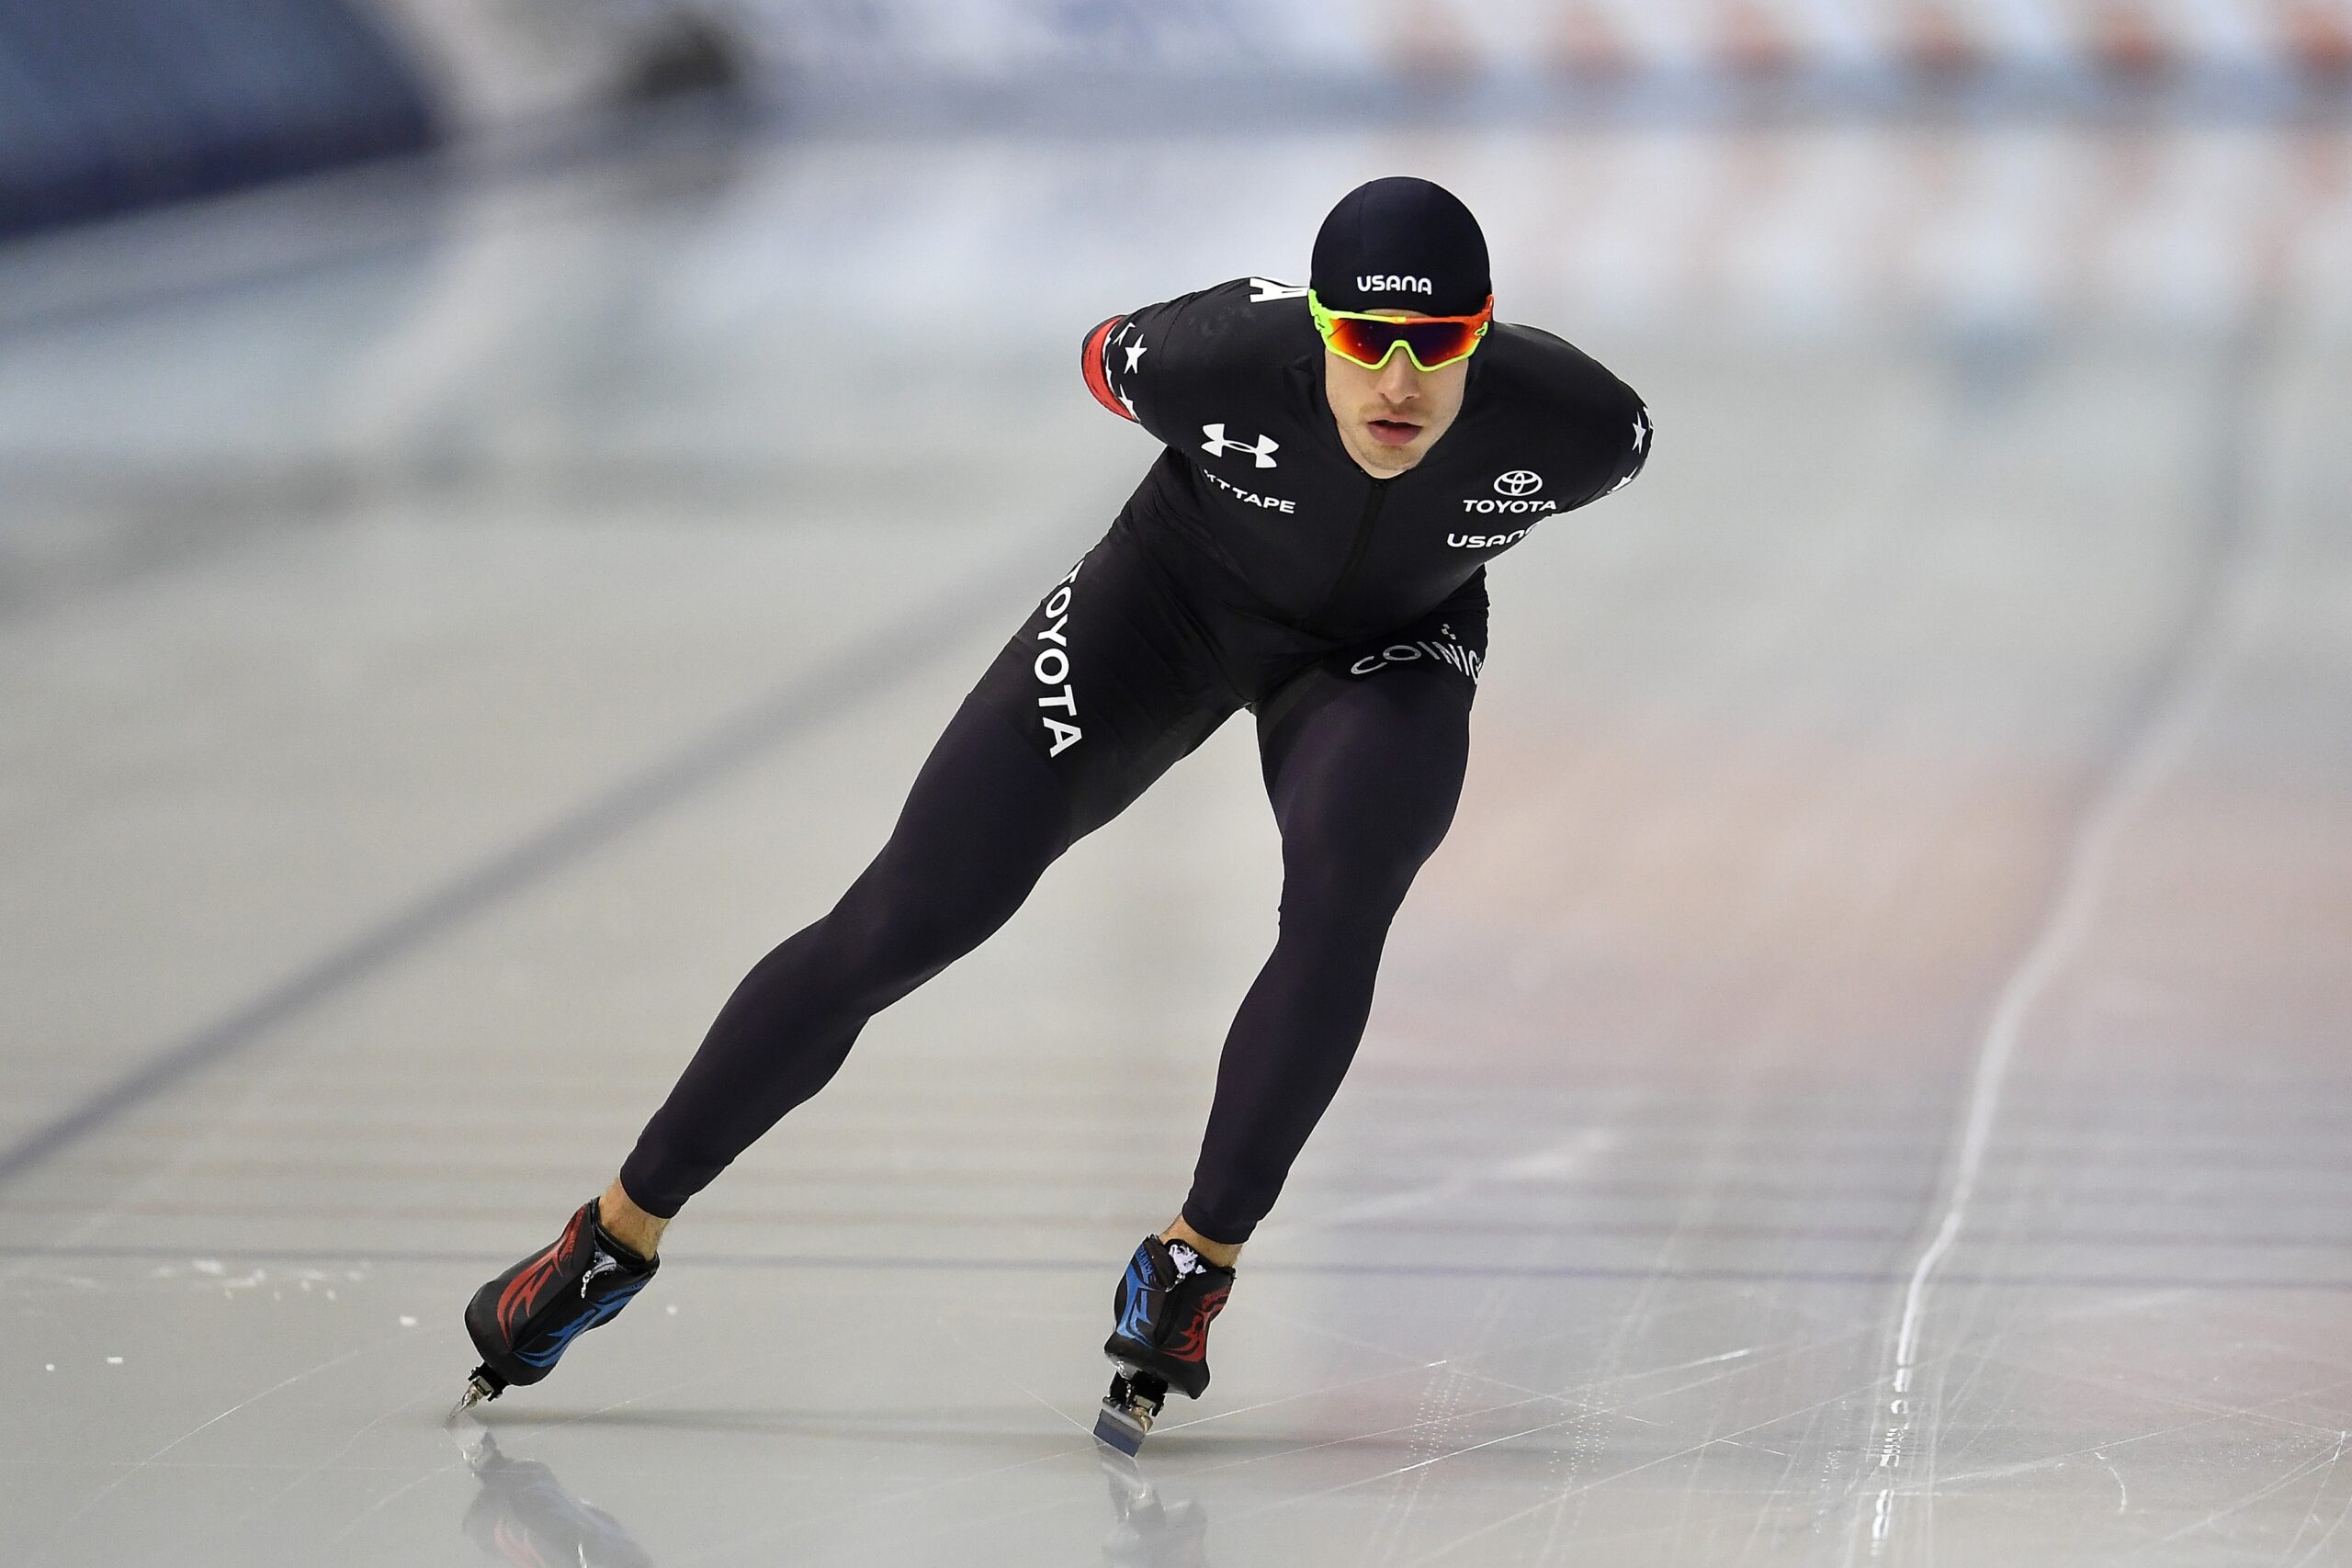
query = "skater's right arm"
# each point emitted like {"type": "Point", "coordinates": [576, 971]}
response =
{"type": "Point", "coordinates": [1146, 365]}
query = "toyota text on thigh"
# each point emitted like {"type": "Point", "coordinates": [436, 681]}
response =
{"type": "Point", "coordinates": [1052, 668]}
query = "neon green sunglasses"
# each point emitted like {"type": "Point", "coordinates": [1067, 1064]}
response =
{"type": "Point", "coordinates": [1369, 337]}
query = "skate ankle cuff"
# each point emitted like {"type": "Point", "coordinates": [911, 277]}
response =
{"type": "Point", "coordinates": [629, 1258]}
{"type": "Point", "coordinates": [626, 1256]}
{"type": "Point", "coordinates": [1184, 1260]}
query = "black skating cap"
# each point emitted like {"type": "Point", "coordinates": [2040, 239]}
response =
{"type": "Point", "coordinates": [1401, 244]}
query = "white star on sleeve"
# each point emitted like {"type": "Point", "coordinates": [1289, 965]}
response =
{"type": "Point", "coordinates": [1641, 428]}
{"type": "Point", "coordinates": [1135, 352]}
{"type": "Point", "coordinates": [1130, 403]}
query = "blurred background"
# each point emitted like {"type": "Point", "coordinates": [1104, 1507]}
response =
{"type": "Point", "coordinates": [729, 177]}
{"type": "Point", "coordinates": [496, 497]}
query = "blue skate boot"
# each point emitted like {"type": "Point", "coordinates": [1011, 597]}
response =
{"type": "Point", "coordinates": [1165, 1302]}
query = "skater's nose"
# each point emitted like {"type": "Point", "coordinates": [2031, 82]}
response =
{"type": "Point", "coordinates": [1399, 381]}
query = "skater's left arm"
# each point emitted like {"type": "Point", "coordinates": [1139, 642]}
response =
{"type": "Point", "coordinates": [1594, 427]}
{"type": "Point", "coordinates": [1621, 445]}
{"type": "Point", "coordinates": [1613, 432]}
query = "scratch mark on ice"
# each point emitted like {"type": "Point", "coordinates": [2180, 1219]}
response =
{"type": "Point", "coordinates": [2123, 1500]}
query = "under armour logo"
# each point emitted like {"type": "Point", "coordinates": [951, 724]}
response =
{"type": "Point", "coordinates": [1264, 289]}
{"type": "Point", "coordinates": [1216, 445]}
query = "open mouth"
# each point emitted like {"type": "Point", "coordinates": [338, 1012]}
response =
{"type": "Point", "coordinates": [1392, 431]}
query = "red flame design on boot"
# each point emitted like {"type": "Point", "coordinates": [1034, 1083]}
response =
{"type": "Point", "coordinates": [1192, 1342]}
{"type": "Point", "coordinates": [522, 1293]}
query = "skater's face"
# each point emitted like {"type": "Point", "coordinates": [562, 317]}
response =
{"type": "Point", "coordinates": [1389, 418]}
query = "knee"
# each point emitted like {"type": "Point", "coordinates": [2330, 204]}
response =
{"type": "Point", "coordinates": [1363, 870]}
{"type": "Point", "coordinates": [890, 933]}
{"type": "Point", "coordinates": [1356, 889]}
{"type": "Point", "coordinates": [887, 944]}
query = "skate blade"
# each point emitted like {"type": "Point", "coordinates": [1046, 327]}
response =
{"type": "Point", "coordinates": [1121, 1428]}
{"type": "Point", "coordinates": [479, 1390]}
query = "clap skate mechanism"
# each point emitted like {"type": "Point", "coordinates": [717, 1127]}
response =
{"type": "Point", "coordinates": [1128, 1410]}
{"type": "Point", "coordinates": [483, 1387]}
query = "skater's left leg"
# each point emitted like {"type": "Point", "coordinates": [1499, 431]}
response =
{"type": "Point", "coordinates": [1364, 774]}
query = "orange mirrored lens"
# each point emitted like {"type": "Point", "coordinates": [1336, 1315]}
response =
{"type": "Point", "coordinates": [1431, 343]}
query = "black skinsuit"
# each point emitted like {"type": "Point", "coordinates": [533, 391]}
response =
{"type": "Point", "coordinates": [1256, 566]}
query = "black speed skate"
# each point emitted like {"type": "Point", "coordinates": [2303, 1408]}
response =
{"type": "Point", "coordinates": [1165, 1302]}
{"type": "Point", "coordinates": [521, 1321]}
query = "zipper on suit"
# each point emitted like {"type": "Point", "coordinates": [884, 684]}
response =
{"type": "Point", "coordinates": [1357, 551]}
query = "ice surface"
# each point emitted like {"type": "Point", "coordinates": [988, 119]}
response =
{"type": "Point", "coordinates": [1863, 1083]}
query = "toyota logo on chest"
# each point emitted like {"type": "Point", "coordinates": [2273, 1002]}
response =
{"type": "Point", "coordinates": [1518, 489]}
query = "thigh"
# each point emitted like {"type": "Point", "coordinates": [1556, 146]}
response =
{"type": "Point", "coordinates": [1364, 771]}
{"type": "Point", "coordinates": [1110, 682]}
{"type": "Point", "coordinates": [1365, 749]}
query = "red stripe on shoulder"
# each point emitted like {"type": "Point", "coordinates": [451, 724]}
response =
{"type": "Point", "coordinates": [1090, 365]}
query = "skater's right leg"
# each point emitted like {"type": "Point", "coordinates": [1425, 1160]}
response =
{"type": "Point", "coordinates": [985, 818]}
{"type": "Point", "coordinates": [1101, 693]}
{"type": "Point", "coordinates": [1105, 688]}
